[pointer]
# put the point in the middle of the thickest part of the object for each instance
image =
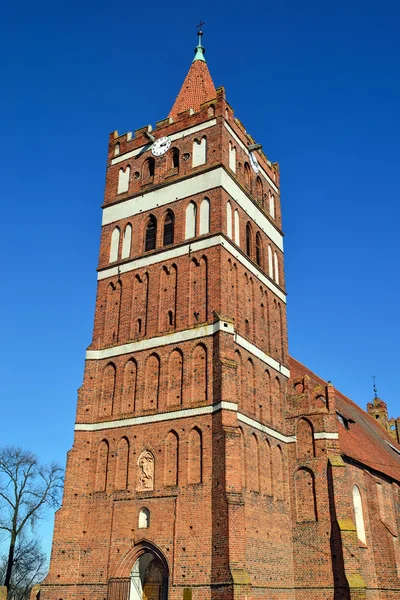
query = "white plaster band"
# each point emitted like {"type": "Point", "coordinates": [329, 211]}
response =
{"type": "Point", "coordinates": [162, 340]}
{"type": "Point", "coordinates": [191, 246]}
{"type": "Point", "coordinates": [243, 147]}
{"type": "Point", "coordinates": [324, 435]}
{"type": "Point", "coordinates": [275, 434]}
{"type": "Point", "coordinates": [183, 414]}
{"type": "Point", "coordinates": [174, 136]}
{"type": "Point", "coordinates": [261, 355]}
{"type": "Point", "coordinates": [198, 184]}
{"type": "Point", "coordinates": [145, 420]}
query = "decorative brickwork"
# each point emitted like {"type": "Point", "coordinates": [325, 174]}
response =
{"type": "Point", "coordinates": [206, 463]}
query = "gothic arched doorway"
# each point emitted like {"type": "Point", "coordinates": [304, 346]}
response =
{"type": "Point", "coordinates": [149, 578]}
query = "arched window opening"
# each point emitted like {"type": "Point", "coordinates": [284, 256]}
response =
{"type": "Point", "coordinates": [199, 152]}
{"type": "Point", "coordinates": [139, 326]}
{"type": "Point", "coordinates": [276, 268]}
{"type": "Point", "coordinates": [169, 229]}
{"type": "Point", "coordinates": [306, 506]}
{"type": "Point", "coordinates": [358, 511]}
{"type": "Point", "coordinates": [121, 479]}
{"type": "Point", "coordinates": [191, 212]}
{"type": "Point", "coordinates": [123, 179]}
{"type": "Point", "coordinates": [148, 168]}
{"type": "Point", "coordinates": [175, 378]}
{"type": "Point", "coordinates": [259, 189]}
{"type": "Point", "coordinates": [272, 206]}
{"type": "Point", "coordinates": [151, 234]}
{"type": "Point", "coordinates": [229, 219]}
{"type": "Point", "coordinates": [232, 157]}
{"type": "Point", "coordinates": [247, 174]}
{"type": "Point", "coordinates": [126, 241]}
{"type": "Point", "coordinates": [148, 579]}
{"type": "Point", "coordinates": [195, 474]}
{"type": "Point", "coordinates": [117, 149]}
{"type": "Point", "coordinates": [258, 250]}
{"type": "Point", "coordinates": [102, 467]}
{"type": "Point", "coordinates": [211, 110]}
{"type": "Point", "coordinates": [204, 216]}
{"type": "Point", "coordinates": [144, 518]}
{"type": "Point", "coordinates": [170, 318]}
{"type": "Point", "coordinates": [174, 158]}
{"type": "Point", "coordinates": [270, 263]}
{"type": "Point", "coordinates": [171, 458]}
{"type": "Point", "coordinates": [248, 240]}
{"type": "Point", "coordinates": [305, 447]}
{"type": "Point", "coordinates": [114, 245]}
{"type": "Point", "coordinates": [237, 228]}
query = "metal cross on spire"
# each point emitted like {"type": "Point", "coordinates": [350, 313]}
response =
{"type": "Point", "coordinates": [375, 388]}
{"type": "Point", "coordinates": [199, 50]}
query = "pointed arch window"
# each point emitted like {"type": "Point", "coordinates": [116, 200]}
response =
{"type": "Point", "coordinates": [358, 511]}
{"type": "Point", "coordinates": [258, 250]}
{"type": "Point", "coordinates": [169, 224]}
{"type": "Point", "coordinates": [259, 189]}
{"type": "Point", "coordinates": [248, 240]}
{"type": "Point", "coordinates": [114, 248]}
{"type": "Point", "coordinates": [151, 234]}
{"type": "Point", "coordinates": [148, 168]}
{"type": "Point", "coordinates": [126, 241]}
{"type": "Point", "coordinates": [204, 216]}
{"type": "Point", "coordinates": [272, 206]}
{"type": "Point", "coordinates": [276, 268]}
{"type": "Point", "coordinates": [247, 174]}
{"type": "Point", "coordinates": [174, 158]}
{"type": "Point", "coordinates": [191, 212]}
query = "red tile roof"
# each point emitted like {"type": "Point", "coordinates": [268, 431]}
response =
{"type": "Point", "coordinates": [365, 441]}
{"type": "Point", "coordinates": [197, 88]}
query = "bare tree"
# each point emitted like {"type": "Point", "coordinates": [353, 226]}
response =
{"type": "Point", "coordinates": [29, 567]}
{"type": "Point", "coordinates": [27, 489]}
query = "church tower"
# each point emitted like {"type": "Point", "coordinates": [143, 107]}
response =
{"type": "Point", "coordinates": [176, 485]}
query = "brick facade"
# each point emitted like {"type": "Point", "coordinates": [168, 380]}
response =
{"type": "Point", "coordinates": [206, 462]}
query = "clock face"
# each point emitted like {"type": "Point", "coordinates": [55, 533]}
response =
{"type": "Point", "coordinates": [161, 146]}
{"type": "Point", "coordinates": [254, 162]}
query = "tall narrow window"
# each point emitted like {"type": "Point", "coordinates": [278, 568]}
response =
{"type": "Point", "coordinates": [272, 206]}
{"type": "Point", "coordinates": [248, 240]}
{"type": "Point", "coordinates": [169, 229]}
{"type": "Point", "coordinates": [247, 174]}
{"type": "Point", "coordinates": [259, 189]}
{"type": "Point", "coordinates": [191, 211]}
{"type": "Point", "coordinates": [174, 157]}
{"type": "Point", "coordinates": [229, 219]}
{"type": "Point", "coordinates": [258, 250]}
{"type": "Point", "coordinates": [237, 228]}
{"type": "Point", "coordinates": [116, 149]}
{"type": "Point", "coordinates": [114, 245]}
{"type": "Point", "coordinates": [232, 157]}
{"type": "Point", "coordinates": [270, 263]}
{"type": "Point", "coordinates": [358, 511]}
{"type": "Point", "coordinates": [126, 241]}
{"type": "Point", "coordinates": [205, 216]}
{"type": "Point", "coordinates": [148, 168]}
{"type": "Point", "coordinates": [199, 152]}
{"type": "Point", "coordinates": [123, 180]}
{"type": "Point", "coordinates": [151, 234]}
{"type": "Point", "coordinates": [276, 267]}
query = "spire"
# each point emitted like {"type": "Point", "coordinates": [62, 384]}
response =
{"type": "Point", "coordinates": [198, 86]}
{"type": "Point", "coordinates": [199, 51]}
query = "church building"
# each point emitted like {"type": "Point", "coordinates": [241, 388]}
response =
{"type": "Point", "coordinates": [207, 463]}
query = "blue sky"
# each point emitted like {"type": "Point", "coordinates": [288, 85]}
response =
{"type": "Point", "coordinates": [318, 84]}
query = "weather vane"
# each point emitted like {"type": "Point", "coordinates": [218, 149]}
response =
{"type": "Point", "coordinates": [375, 388]}
{"type": "Point", "coordinates": [199, 26]}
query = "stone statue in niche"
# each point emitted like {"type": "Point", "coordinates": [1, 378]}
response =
{"type": "Point", "coordinates": [145, 463]}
